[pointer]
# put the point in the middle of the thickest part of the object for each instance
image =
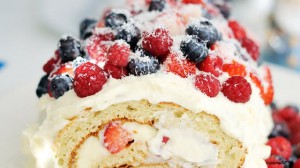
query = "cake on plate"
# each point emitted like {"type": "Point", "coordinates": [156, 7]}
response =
{"type": "Point", "coordinates": [155, 83]}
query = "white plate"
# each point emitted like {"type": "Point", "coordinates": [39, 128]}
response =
{"type": "Point", "coordinates": [18, 111]}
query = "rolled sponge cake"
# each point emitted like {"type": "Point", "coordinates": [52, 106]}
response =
{"type": "Point", "coordinates": [158, 83]}
{"type": "Point", "coordinates": [70, 140]}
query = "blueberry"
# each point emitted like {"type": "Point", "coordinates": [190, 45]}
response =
{"type": "Point", "coordinates": [157, 5]}
{"type": "Point", "coordinates": [69, 49]}
{"type": "Point", "coordinates": [143, 65]}
{"type": "Point", "coordinates": [194, 50]}
{"type": "Point", "coordinates": [42, 86]}
{"type": "Point", "coordinates": [115, 20]}
{"type": "Point", "coordinates": [204, 31]}
{"type": "Point", "coordinates": [292, 160]}
{"type": "Point", "coordinates": [284, 163]}
{"type": "Point", "coordinates": [129, 33]}
{"type": "Point", "coordinates": [60, 84]}
{"type": "Point", "coordinates": [280, 129]}
{"type": "Point", "coordinates": [86, 28]}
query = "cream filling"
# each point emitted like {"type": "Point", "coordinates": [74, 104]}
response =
{"type": "Point", "coordinates": [250, 122]}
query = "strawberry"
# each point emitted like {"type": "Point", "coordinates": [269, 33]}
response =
{"type": "Point", "coordinates": [280, 146]}
{"type": "Point", "coordinates": [118, 54]}
{"type": "Point", "coordinates": [51, 64]}
{"type": "Point", "coordinates": [89, 79]}
{"type": "Point", "coordinates": [179, 66]}
{"type": "Point", "coordinates": [207, 84]}
{"type": "Point", "coordinates": [238, 31]}
{"type": "Point", "coordinates": [158, 42]}
{"type": "Point", "coordinates": [251, 47]}
{"type": "Point", "coordinates": [212, 64]}
{"type": "Point", "coordinates": [66, 68]}
{"type": "Point", "coordinates": [165, 139]}
{"type": "Point", "coordinates": [114, 71]}
{"type": "Point", "coordinates": [237, 89]}
{"type": "Point", "coordinates": [116, 137]}
{"type": "Point", "coordinates": [235, 69]}
{"type": "Point", "coordinates": [274, 162]}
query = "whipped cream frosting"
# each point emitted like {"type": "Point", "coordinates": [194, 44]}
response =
{"type": "Point", "coordinates": [250, 122]}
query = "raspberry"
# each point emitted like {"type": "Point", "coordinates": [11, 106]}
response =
{"type": "Point", "coordinates": [115, 72]}
{"type": "Point", "coordinates": [297, 164]}
{"type": "Point", "coordinates": [295, 138]}
{"type": "Point", "coordinates": [178, 66]}
{"type": "Point", "coordinates": [89, 79]}
{"type": "Point", "coordinates": [237, 89]}
{"type": "Point", "coordinates": [274, 162]}
{"type": "Point", "coordinates": [235, 69]}
{"type": "Point", "coordinates": [158, 42]}
{"type": "Point", "coordinates": [280, 146]}
{"type": "Point", "coordinates": [238, 31]}
{"type": "Point", "coordinates": [98, 48]}
{"type": "Point", "coordinates": [207, 84]}
{"type": "Point", "coordinates": [288, 113]}
{"type": "Point", "coordinates": [211, 64]}
{"type": "Point", "coordinates": [251, 47]}
{"type": "Point", "coordinates": [118, 54]}
{"type": "Point", "coordinates": [294, 125]}
{"type": "Point", "coordinates": [116, 137]}
{"type": "Point", "coordinates": [193, 1]}
{"type": "Point", "coordinates": [50, 65]}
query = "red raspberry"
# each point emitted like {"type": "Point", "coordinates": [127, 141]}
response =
{"type": "Point", "coordinates": [97, 48]}
{"type": "Point", "coordinates": [116, 137]}
{"type": "Point", "coordinates": [158, 42]}
{"type": "Point", "coordinates": [297, 164]}
{"type": "Point", "coordinates": [251, 47]}
{"type": "Point", "coordinates": [89, 79]}
{"type": "Point", "coordinates": [274, 162]}
{"type": "Point", "coordinates": [295, 138]}
{"type": "Point", "coordinates": [193, 1]}
{"type": "Point", "coordinates": [238, 31]}
{"type": "Point", "coordinates": [212, 64]}
{"type": "Point", "coordinates": [288, 113]}
{"type": "Point", "coordinates": [280, 146]}
{"type": "Point", "coordinates": [115, 72]}
{"type": "Point", "coordinates": [294, 124]}
{"type": "Point", "coordinates": [118, 54]}
{"type": "Point", "coordinates": [51, 64]}
{"type": "Point", "coordinates": [237, 89]}
{"type": "Point", "coordinates": [207, 84]}
{"type": "Point", "coordinates": [277, 118]}
{"type": "Point", "coordinates": [235, 69]}
{"type": "Point", "coordinates": [179, 66]}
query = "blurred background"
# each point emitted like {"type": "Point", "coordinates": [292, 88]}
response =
{"type": "Point", "coordinates": [30, 30]}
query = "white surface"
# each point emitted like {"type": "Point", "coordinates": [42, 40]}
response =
{"type": "Point", "coordinates": [25, 45]}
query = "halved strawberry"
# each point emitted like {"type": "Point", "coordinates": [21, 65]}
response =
{"type": "Point", "coordinates": [116, 137]}
{"type": "Point", "coordinates": [179, 66]}
{"type": "Point", "coordinates": [66, 68]}
{"type": "Point", "coordinates": [235, 69]}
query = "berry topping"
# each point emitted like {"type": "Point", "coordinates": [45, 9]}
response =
{"type": "Point", "coordinates": [129, 33]}
{"type": "Point", "coordinates": [280, 146]}
{"type": "Point", "coordinates": [157, 5]}
{"type": "Point", "coordinates": [89, 79]}
{"type": "Point", "coordinates": [51, 64]}
{"type": "Point", "coordinates": [60, 84]}
{"type": "Point", "coordinates": [194, 50]}
{"type": "Point", "coordinates": [297, 164]}
{"type": "Point", "coordinates": [237, 89]}
{"type": "Point", "coordinates": [235, 69]}
{"type": "Point", "coordinates": [251, 47]}
{"type": "Point", "coordinates": [158, 42]}
{"type": "Point", "coordinates": [64, 69]}
{"type": "Point", "coordinates": [208, 84]}
{"type": "Point", "coordinates": [165, 139]}
{"type": "Point", "coordinates": [238, 31]}
{"type": "Point", "coordinates": [143, 65]}
{"type": "Point", "coordinates": [204, 31]}
{"type": "Point", "coordinates": [114, 71]}
{"type": "Point", "coordinates": [212, 64]}
{"type": "Point", "coordinates": [118, 54]}
{"type": "Point", "coordinates": [193, 1]}
{"type": "Point", "coordinates": [42, 86]}
{"type": "Point", "coordinates": [274, 162]}
{"type": "Point", "coordinates": [280, 129]}
{"type": "Point", "coordinates": [288, 113]}
{"type": "Point", "coordinates": [86, 28]}
{"type": "Point", "coordinates": [179, 66]}
{"type": "Point", "coordinates": [116, 137]}
{"type": "Point", "coordinates": [114, 19]}
{"type": "Point", "coordinates": [69, 49]}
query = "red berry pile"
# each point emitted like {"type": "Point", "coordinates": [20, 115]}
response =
{"type": "Point", "coordinates": [284, 139]}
